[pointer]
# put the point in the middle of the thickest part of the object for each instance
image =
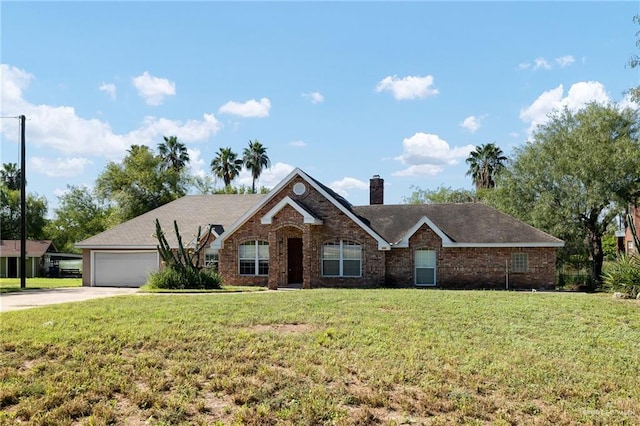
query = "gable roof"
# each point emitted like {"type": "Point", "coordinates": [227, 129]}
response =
{"type": "Point", "coordinates": [190, 211]}
{"type": "Point", "coordinates": [35, 248]}
{"type": "Point", "coordinates": [339, 202]}
{"type": "Point", "coordinates": [308, 216]}
{"type": "Point", "coordinates": [457, 224]}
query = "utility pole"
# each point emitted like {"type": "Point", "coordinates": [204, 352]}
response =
{"type": "Point", "coordinates": [23, 205]}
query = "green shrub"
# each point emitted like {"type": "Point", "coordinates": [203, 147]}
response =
{"type": "Point", "coordinates": [623, 275]}
{"type": "Point", "coordinates": [170, 278]}
{"type": "Point", "coordinates": [609, 247]}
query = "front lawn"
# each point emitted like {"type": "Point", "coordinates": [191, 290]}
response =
{"type": "Point", "coordinates": [13, 284]}
{"type": "Point", "coordinates": [325, 357]}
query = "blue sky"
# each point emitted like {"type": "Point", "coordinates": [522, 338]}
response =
{"type": "Point", "coordinates": [343, 90]}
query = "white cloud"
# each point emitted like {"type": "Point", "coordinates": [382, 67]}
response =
{"type": "Point", "coordinates": [341, 186]}
{"type": "Point", "coordinates": [541, 63]}
{"type": "Point", "coordinates": [274, 174]}
{"type": "Point", "coordinates": [472, 123]}
{"type": "Point", "coordinates": [426, 153]}
{"type": "Point", "coordinates": [109, 89]}
{"type": "Point", "coordinates": [12, 81]}
{"type": "Point", "coordinates": [315, 97]}
{"type": "Point", "coordinates": [60, 129]}
{"type": "Point", "coordinates": [250, 108]}
{"type": "Point", "coordinates": [626, 102]}
{"type": "Point", "coordinates": [269, 178]}
{"type": "Point", "coordinates": [196, 163]}
{"type": "Point", "coordinates": [579, 95]}
{"type": "Point", "coordinates": [410, 87]}
{"type": "Point", "coordinates": [565, 61]}
{"type": "Point", "coordinates": [421, 170]}
{"type": "Point", "coordinates": [59, 167]}
{"type": "Point", "coordinates": [153, 89]}
{"type": "Point", "coordinates": [297, 144]}
{"type": "Point", "coordinates": [189, 131]}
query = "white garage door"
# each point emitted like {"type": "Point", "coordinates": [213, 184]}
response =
{"type": "Point", "coordinates": [123, 269]}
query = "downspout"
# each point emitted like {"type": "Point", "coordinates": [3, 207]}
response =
{"type": "Point", "coordinates": [506, 270]}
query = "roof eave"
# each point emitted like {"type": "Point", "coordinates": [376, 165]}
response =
{"type": "Point", "coordinates": [116, 247]}
{"type": "Point", "coordinates": [509, 244]}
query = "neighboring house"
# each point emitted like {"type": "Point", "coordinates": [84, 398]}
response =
{"type": "Point", "coordinates": [37, 262]}
{"type": "Point", "coordinates": [304, 234]}
{"type": "Point", "coordinates": [634, 211]}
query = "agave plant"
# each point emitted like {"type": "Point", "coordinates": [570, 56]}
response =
{"type": "Point", "coordinates": [183, 270]}
{"type": "Point", "coordinates": [624, 276]}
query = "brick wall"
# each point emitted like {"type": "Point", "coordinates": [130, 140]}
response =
{"type": "Point", "coordinates": [288, 223]}
{"type": "Point", "coordinates": [472, 267]}
{"type": "Point", "coordinates": [86, 267]}
{"type": "Point", "coordinates": [476, 267]}
{"type": "Point", "coordinates": [629, 243]}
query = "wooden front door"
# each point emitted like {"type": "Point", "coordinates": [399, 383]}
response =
{"type": "Point", "coordinates": [294, 261]}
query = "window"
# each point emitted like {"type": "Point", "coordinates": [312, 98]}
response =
{"type": "Point", "coordinates": [425, 267]}
{"type": "Point", "coordinates": [211, 259]}
{"type": "Point", "coordinates": [519, 262]}
{"type": "Point", "coordinates": [254, 258]}
{"type": "Point", "coordinates": [341, 259]}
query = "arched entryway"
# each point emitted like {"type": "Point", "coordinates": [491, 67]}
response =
{"type": "Point", "coordinates": [294, 261]}
{"type": "Point", "coordinates": [291, 257]}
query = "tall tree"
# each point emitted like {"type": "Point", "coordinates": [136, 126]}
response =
{"type": "Point", "coordinates": [226, 165]}
{"type": "Point", "coordinates": [634, 62]}
{"type": "Point", "coordinates": [203, 184]}
{"type": "Point", "coordinates": [10, 176]}
{"type": "Point", "coordinates": [174, 154]}
{"type": "Point", "coordinates": [139, 183]}
{"type": "Point", "coordinates": [10, 216]}
{"type": "Point", "coordinates": [440, 195]}
{"type": "Point", "coordinates": [255, 159]}
{"type": "Point", "coordinates": [486, 162]}
{"type": "Point", "coordinates": [80, 214]}
{"type": "Point", "coordinates": [573, 178]}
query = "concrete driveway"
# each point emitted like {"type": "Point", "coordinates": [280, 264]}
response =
{"type": "Point", "coordinates": [34, 298]}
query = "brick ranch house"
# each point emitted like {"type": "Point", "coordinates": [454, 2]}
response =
{"type": "Point", "coordinates": [629, 244]}
{"type": "Point", "coordinates": [304, 234]}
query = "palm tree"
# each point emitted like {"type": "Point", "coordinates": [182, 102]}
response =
{"type": "Point", "coordinates": [10, 176]}
{"type": "Point", "coordinates": [485, 164]}
{"type": "Point", "coordinates": [173, 153]}
{"type": "Point", "coordinates": [226, 165]}
{"type": "Point", "coordinates": [255, 159]}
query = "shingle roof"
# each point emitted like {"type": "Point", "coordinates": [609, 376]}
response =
{"type": "Point", "coordinates": [189, 211]}
{"type": "Point", "coordinates": [463, 223]}
{"type": "Point", "coordinates": [11, 248]}
{"type": "Point", "coordinates": [459, 224]}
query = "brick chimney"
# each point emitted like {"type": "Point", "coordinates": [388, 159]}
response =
{"type": "Point", "coordinates": [376, 190]}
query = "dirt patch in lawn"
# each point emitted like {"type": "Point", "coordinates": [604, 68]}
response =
{"type": "Point", "coordinates": [283, 328]}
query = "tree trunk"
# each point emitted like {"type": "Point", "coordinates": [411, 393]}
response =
{"type": "Point", "coordinates": [597, 257]}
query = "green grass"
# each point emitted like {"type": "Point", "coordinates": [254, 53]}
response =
{"type": "Point", "coordinates": [13, 284]}
{"type": "Point", "coordinates": [341, 357]}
